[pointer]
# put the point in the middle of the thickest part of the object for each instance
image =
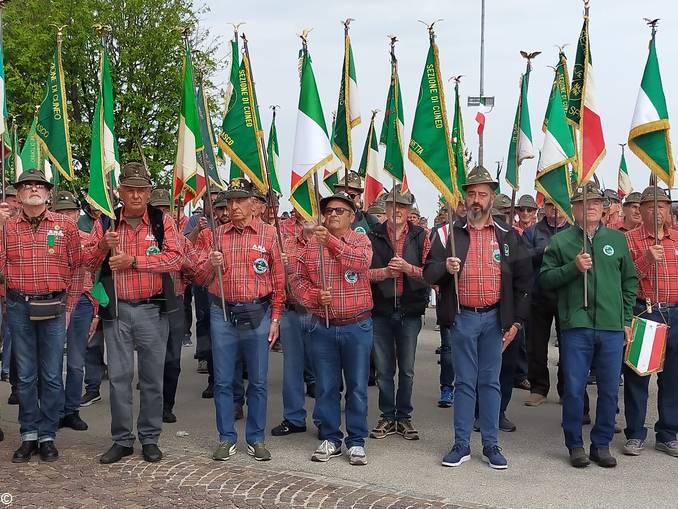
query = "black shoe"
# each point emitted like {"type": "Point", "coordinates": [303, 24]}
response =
{"type": "Point", "coordinates": [586, 420]}
{"type": "Point", "coordinates": [603, 457]}
{"type": "Point", "coordinates": [372, 381]}
{"type": "Point", "coordinates": [578, 458]}
{"type": "Point", "coordinates": [89, 398]}
{"type": "Point", "coordinates": [209, 392]}
{"type": "Point", "coordinates": [48, 451]}
{"type": "Point", "coordinates": [115, 454]}
{"type": "Point", "coordinates": [310, 390]}
{"type": "Point", "coordinates": [505, 424]}
{"type": "Point", "coordinates": [237, 411]}
{"type": "Point", "coordinates": [73, 421]}
{"type": "Point", "coordinates": [523, 384]}
{"type": "Point", "coordinates": [23, 454]}
{"type": "Point", "coordinates": [13, 398]}
{"type": "Point", "coordinates": [151, 453]}
{"type": "Point", "coordinates": [168, 416]}
{"type": "Point", "coordinates": [287, 428]}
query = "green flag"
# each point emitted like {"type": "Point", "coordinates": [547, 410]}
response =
{"type": "Point", "coordinates": [392, 128]}
{"type": "Point", "coordinates": [430, 149]}
{"type": "Point", "coordinates": [649, 136]}
{"type": "Point", "coordinates": [104, 160]}
{"type": "Point", "coordinates": [233, 85]}
{"type": "Point", "coordinates": [207, 136]}
{"type": "Point", "coordinates": [31, 155]}
{"type": "Point", "coordinates": [331, 176]}
{"type": "Point", "coordinates": [273, 153]}
{"type": "Point", "coordinates": [348, 113]}
{"type": "Point", "coordinates": [240, 135]}
{"type": "Point", "coordinates": [312, 150]}
{"type": "Point", "coordinates": [52, 127]}
{"type": "Point", "coordinates": [520, 147]}
{"type": "Point", "coordinates": [553, 178]}
{"type": "Point", "coordinates": [458, 145]}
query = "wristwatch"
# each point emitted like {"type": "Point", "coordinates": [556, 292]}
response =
{"type": "Point", "coordinates": [134, 262]}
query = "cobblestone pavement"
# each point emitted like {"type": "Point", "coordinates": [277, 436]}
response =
{"type": "Point", "coordinates": [188, 479]}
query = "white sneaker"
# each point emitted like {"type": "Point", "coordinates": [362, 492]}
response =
{"type": "Point", "coordinates": [356, 455]}
{"type": "Point", "coordinates": [325, 451]}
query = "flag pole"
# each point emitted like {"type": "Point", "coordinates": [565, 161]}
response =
{"type": "Point", "coordinates": [346, 23]}
{"type": "Point", "coordinates": [585, 201]}
{"type": "Point", "coordinates": [321, 248]}
{"type": "Point", "coordinates": [208, 188]}
{"type": "Point", "coordinates": [653, 26]}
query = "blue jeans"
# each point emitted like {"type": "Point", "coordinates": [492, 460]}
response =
{"type": "Point", "coordinates": [583, 349]}
{"type": "Point", "coordinates": [295, 331]}
{"type": "Point", "coordinates": [228, 344]}
{"type": "Point", "coordinates": [395, 343]}
{"type": "Point", "coordinates": [39, 353]}
{"type": "Point", "coordinates": [94, 361]}
{"type": "Point", "coordinates": [6, 345]}
{"type": "Point", "coordinates": [446, 364]}
{"type": "Point", "coordinates": [636, 387]}
{"type": "Point", "coordinates": [341, 350]}
{"type": "Point", "coordinates": [476, 353]}
{"type": "Point", "coordinates": [76, 338]}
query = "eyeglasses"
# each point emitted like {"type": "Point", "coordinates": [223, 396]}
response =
{"type": "Point", "coordinates": [525, 209]}
{"type": "Point", "coordinates": [34, 185]}
{"type": "Point", "coordinates": [340, 211]}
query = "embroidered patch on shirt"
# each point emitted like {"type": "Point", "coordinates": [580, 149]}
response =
{"type": "Point", "coordinates": [608, 250]}
{"type": "Point", "coordinates": [259, 248]}
{"type": "Point", "coordinates": [152, 250]}
{"type": "Point", "coordinates": [351, 276]}
{"type": "Point", "coordinates": [260, 265]}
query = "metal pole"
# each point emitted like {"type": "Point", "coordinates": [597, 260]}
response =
{"type": "Point", "coordinates": [482, 75]}
{"type": "Point", "coordinates": [511, 219]}
{"type": "Point", "coordinates": [348, 127]}
{"type": "Point", "coordinates": [656, 241]}
{"type": "Point", "coordinates": [395, 243]}
{"type": "Point", "coordinates": [321, 248]}
{"type": "Point", "coordinates": [453, 249]}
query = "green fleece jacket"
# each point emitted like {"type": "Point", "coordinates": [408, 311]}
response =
{"type": "Point", "coordinates": [612, 281]}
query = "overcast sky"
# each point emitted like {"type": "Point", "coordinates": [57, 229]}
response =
{"type": "Point", "coordinates": [619, 41]}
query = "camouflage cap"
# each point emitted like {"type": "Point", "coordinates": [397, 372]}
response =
{"type": "Point", "coordinates": [479, 175]}
{"type": "Point", "coordinates": [66, 201]}
{"type": "Point", "coordinates": [134, 174]}
{"type": "Point", "coordinates": [405, 198]}
{"type": "Point", "coordinates": [632, 198]}
{"type": "Point", "coordinates": [32, 175]}
{"type": "Point", "coordinates": [222, 200]}
{"type": "Point", "coordinates": [648, 195]}
{"type": "Point", "coordinates": [612, 195]}
{"type": "Point", "coordinates": [354, 182]}
{"type": "Point", "coordinates": [593, 192]}
{"type": "Point", "coordinates": [337, 196]}
{"type": "Point", "coordinates": [159, 198]}
{"type": "Point", "coordinates": [527, 201]}
{"type": "Point", "coordinates": [239, 188]}
{"type": "Point", "coordinates": [376, 208]}
{"type": "Point", "coordinates": [502, 202]}
{"type": "Point", "coordinates": [10, 191]}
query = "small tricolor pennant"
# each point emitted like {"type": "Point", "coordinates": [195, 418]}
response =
{"type": "Point", "coordinates": [645, 354]}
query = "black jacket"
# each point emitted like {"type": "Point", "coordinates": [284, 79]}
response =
{"type": "Point", "coordinates": [415, 292]}
{"type": "Point", "coordinates": [536, 238]}
{"type": "Point", "coordinates": [516, 273]}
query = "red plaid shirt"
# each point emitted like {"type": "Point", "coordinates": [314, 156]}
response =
{"type": "Point", "coordinates": [416, 272]}
{"type": "Point", "coordinates": [253, 262]}
{"type": "Point", "coordinates": [145, 281]}
{"type": "Point", "coordinates": [347, 261]}
{"type": "Point", "coordinates": [640, 239]}
{"type": "Point", "coordinates": [291, 227]}
{"type": "Point", "coordinates": [88, 276]}
{"type": "Point", "coordinates": [480, 278]}
{"type": "Point", "coordinates": [45, 261]}
{"type": "Point", "coordinates": [189, 257]}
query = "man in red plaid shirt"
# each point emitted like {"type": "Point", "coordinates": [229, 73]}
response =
{"type": "Point", "coordinates": [650, 256]}
{"type": "Point", "coordinates": [247, 264]}
{"type": "Point", "coordinates": [136, 256]}
{"type": "Point", "coordinates": [343, 346]}
{"type": "Point", "coordinates": [41, 261]}
{"type": "Point", "coordinates": [400, 296]}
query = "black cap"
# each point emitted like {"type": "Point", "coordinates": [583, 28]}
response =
{"type": "Point", "coordinates": [33, 175]}
{"type": "Point", "coordinates": [239, 188]}
{"type": "Point", "coordinates": [66, 201]}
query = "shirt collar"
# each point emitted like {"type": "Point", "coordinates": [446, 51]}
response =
{"type": "Point", "coordinates": [36, 220]}
{"type": "Point", "coordinates": [144, 217]}
{"type": "Point", "coordinates": [647, 233]}
{"type": "Point", "coordinates": [254, 225]}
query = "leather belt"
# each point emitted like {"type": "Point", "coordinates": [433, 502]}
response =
{"type": "Point", "coordinates": [339, 322]}
{"type": "Point", "coordinates": [485, 309]}
{"type": "Point", "coordinates": [139, 302]}
{"type": "Point", "coordinates": [658, 305]}
{"type": "Point", "coordinates": [26, 297]}
{"type": "Point", "coordinates": [217, 301]}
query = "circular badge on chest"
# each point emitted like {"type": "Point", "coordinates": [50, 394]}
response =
{"type": "Point", "coordinates": [152, 250]}
{"type": "Point", "coordinates": [351, 276]}
{"type": "Point", "coordinates": [360, 229]}
{"type": "Point", "coordinates": [260, 265]}
{"type": "Point", "coordinates": [608, 250]}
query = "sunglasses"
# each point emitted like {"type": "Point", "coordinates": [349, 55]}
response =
{"type": "Point", "coordinates": [34, 185]}
{"type": "Point", "coordinates": [339, 211]}
{"type": "Point", "coordinates": [525, 209]}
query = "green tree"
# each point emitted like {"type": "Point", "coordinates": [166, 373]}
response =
{"type": "Point", "coordinates": [145, 50]}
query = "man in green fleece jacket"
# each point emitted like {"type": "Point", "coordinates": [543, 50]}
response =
{"type": "Point", "coordinates": [593, 335]}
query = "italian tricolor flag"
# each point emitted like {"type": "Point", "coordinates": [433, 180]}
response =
{"type": "Point", "coordinates": [649, 136]}
{"type": "Point", "coordinates": [645, 354]}
{"type": "Point", "coordinates": [375, 176]}
{"type": "Point", "coordinates": [312, 150]}
{"type": "Point", "coordinates": [188, 174]}
{"type": "Point", "coordinates": [624, 187]}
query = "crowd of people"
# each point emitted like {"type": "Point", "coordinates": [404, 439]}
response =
{"type": "Point", "coordinates": [344, 297]}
